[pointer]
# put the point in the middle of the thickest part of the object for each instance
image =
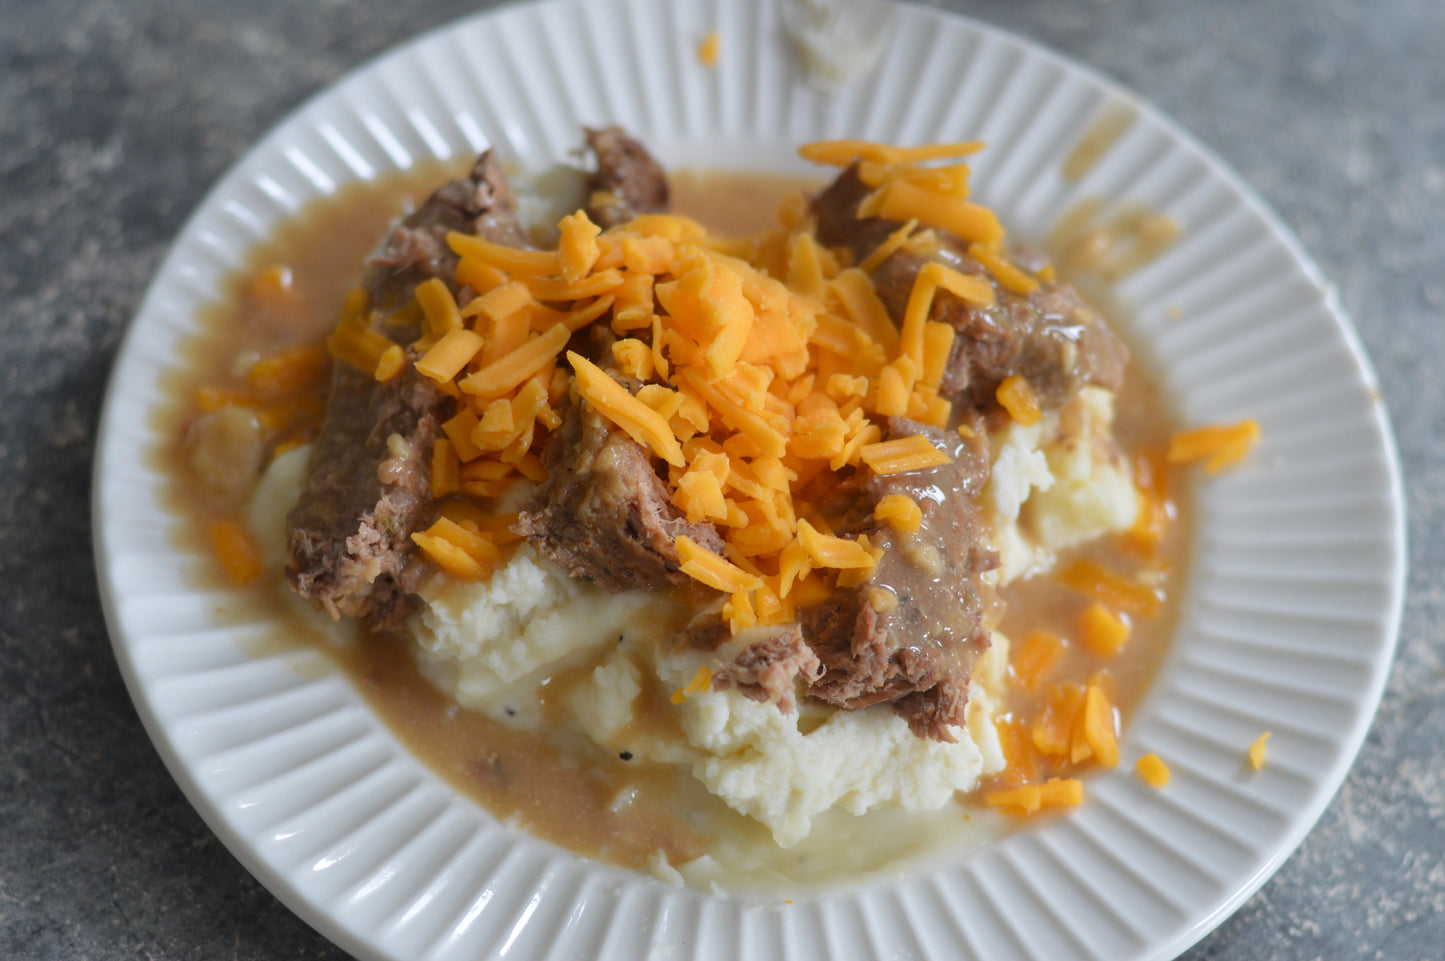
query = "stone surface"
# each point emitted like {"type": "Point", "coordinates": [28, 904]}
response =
{"type": "Point", "coordinates": [119, 114]}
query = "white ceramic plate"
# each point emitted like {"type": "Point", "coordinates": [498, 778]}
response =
{"type": "Point", "coordinates": [1289, 618]}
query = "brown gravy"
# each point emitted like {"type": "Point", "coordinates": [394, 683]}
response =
{"type": "Point", "coordinates": [733, 204]}
{"type": "Point", "coordinates": [576, 795]}
{"type": "Point", "coordinates": [1098, 140]}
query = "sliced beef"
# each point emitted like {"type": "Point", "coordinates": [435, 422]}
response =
{"type": "Point", "coordinates": [627, 182]}
{"type": "Point", "coordinates": [603, 514]}
{"type": "Point", "coordinates": [707, 629]}
{"type": "Point", "coordinates": [911, 633]}
{"type": "Point", "coordinates": [930, 713]}
{"type": "Point", "coordinates": [835, 210]}
{"type": "Point", "coordinates": [349, 535]}
{"type": "Point", "coordinates": [481, 203]}
{"type": "Point", "coordinates": [767, 670]}
{"type": "Point", "coordinates": [369, 489]}
{"type": "Point", "coordinates": [1049, 337]}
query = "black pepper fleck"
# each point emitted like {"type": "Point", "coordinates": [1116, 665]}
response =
{"type": "Point", "coordinates": [626, 755]}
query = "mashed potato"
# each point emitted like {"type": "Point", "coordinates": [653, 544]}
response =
{"type": "Point", "coordinates": [1057, 483]}
{"type": "Point", "coordinates": [785, 769]}
{"type": "Point", "coordinates": [490, 645]}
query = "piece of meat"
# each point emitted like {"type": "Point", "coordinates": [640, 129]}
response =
{"type": "Point", "coordinates": [707, 629]}
{"type": "Point", "coordinates": [1048, 337]}
{"type": "Point", "coordinates": [603, 514]}
{"type": "Point", "coordinates": [481, 203]}
{"type": "Point", "coordinates": [924, 616]}
{"type": "Point", "coordinates": [627, 182]}
{"type": "Point", "coordinates": [368, 490]}
{"type": "Point", "coordinates": [930, 713]}
{"type": "Point", "coordinates": [766, 670]}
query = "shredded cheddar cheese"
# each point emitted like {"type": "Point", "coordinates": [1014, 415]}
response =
{"type": "Point", "coordinates": [899, 510]}
{"type": "Point", "coordinates": [502, 257]}
{"type": "Point", "coordinates": [446, 469]}
{"type": "Point", "coordinates": [645, 425]}
{"type": "Point", "coordinates": [1123, 593]}
{"type": "Point", "coordinates": [1102, 631]}
{"type": "Point", "coordinates": [700, 682]}
{"type": "Point", "coordinates": [911, 453]}
{"type": "Point", "coordinates": [1017, 397]}
{"type": "Point", "coordinates": [1256, 751]}
{"type": "Point", "coordinates": [716, 572]}
{"type": "Point", "coordinates": [390, 363]}
{"type": "Point", "coordinates": [825, 550]}
{"type": "Point", "coordinates": [438, 306]}
{"type": "Point", "coordinates": [1033, 658]}
{"type": "Point", "coordinates": [353, 341]}
{"type": "Point", "coordinates": [930, 277]}
{"type": "Point", "coordinates": [1023, 763]}
{"type": "Point", "coordinates": [1029, 799]}
{"type": "Point", "coordinates": [1098, 729]}
{"type": "Point", "coordinates": [1218, 445]}
{"type": "Point", "coordinates": [287, 372]}
{"type": "Point", "coordinates": [1005, 272]}
{"type": "Point", "coordinates": [238, 554]}
{"type": "Point", "coordinates": [273, 283]}
{"type": "Point", "coordinates": [707, 50]}
{"type": "Point", "coordinates": [460, 550]}
{"type": "Point", "coordinates": [745, 368]}
{"type": "Point", "coordinates": [1152, 771]}
{"type": "Point", "coordinates": [1051, 733]}
{"type": "Point", "coordinates": [842, 153]}
{"type": "Point", "coordinates": [903, 200]}
{"type": "Point", "coordinates": [889, 247]}
{"type": "Point", "coordinates": [450, 354]}
{"type": "Point", "coordinates": [577, 249]}
{"type": "Point", "coordinates": [1151, 482]}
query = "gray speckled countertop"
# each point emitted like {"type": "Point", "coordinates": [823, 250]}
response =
{"type": "Point", "coordinates": [117, 115]}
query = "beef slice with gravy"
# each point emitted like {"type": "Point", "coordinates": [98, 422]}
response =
{"type": "Point", "coordinates": [1049, 336]}
{"type": "Point", "coordinates": [368, 487]}
{"type": "Point", "coordinates": [912, 631]}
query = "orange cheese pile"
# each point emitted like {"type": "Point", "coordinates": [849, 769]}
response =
{"type": "Point", "coordinates": [746, 367]}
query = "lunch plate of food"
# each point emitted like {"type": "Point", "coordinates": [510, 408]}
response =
{"type": "Point", "coordinates": [746, 480]}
